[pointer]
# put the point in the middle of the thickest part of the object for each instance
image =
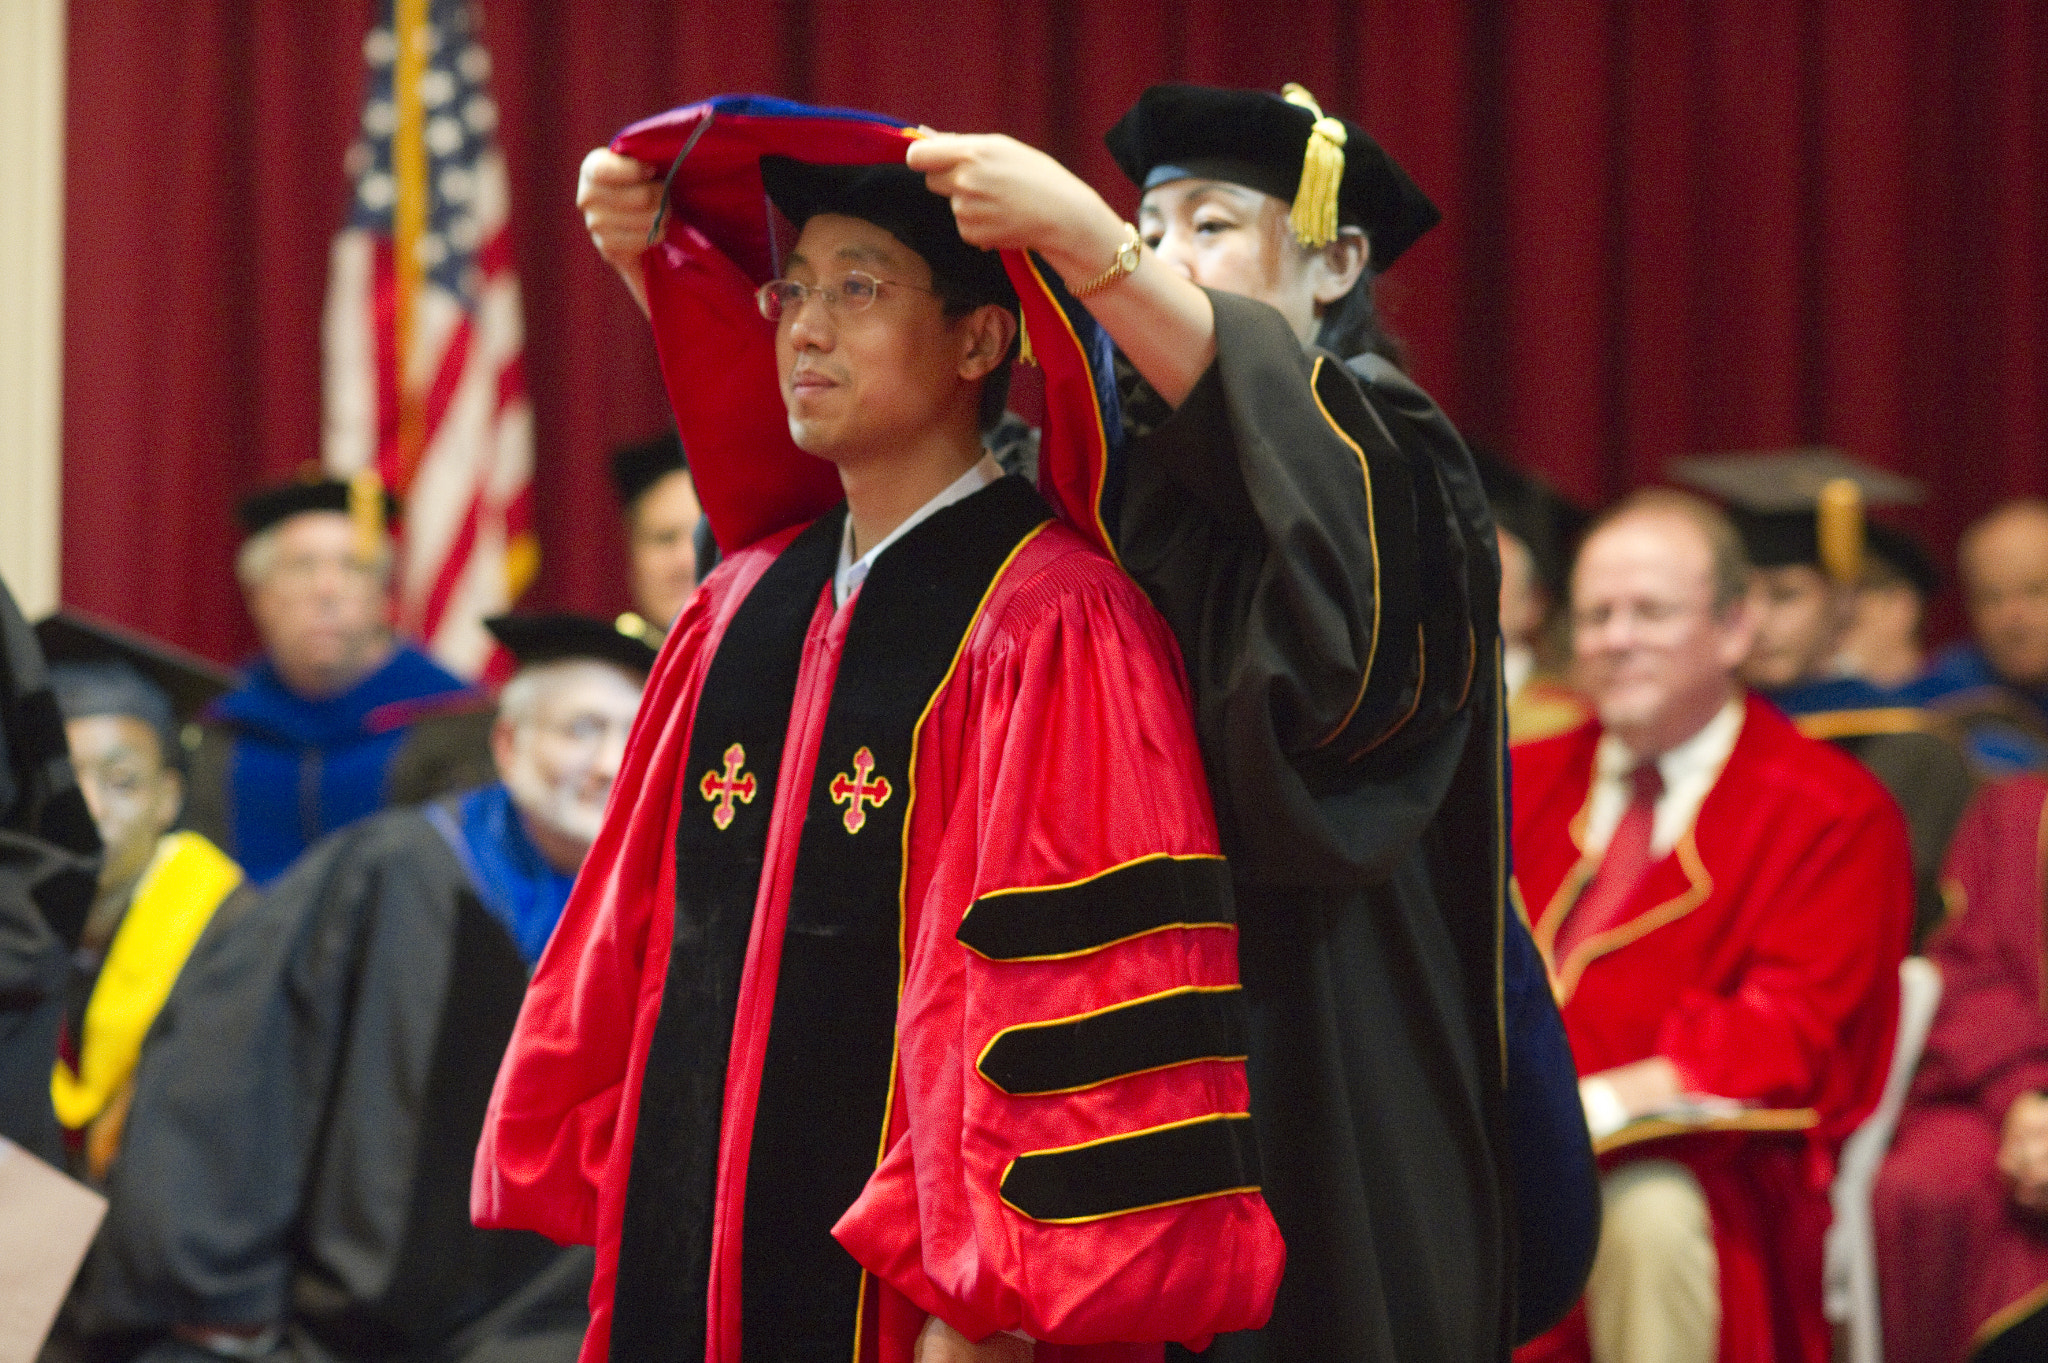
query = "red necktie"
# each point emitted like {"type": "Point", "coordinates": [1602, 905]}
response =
{"type": "Point", "coordinates": [1621, 869]}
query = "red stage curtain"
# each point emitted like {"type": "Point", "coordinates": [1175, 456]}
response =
{"type": "Point", "coordinates": [1670, 228]}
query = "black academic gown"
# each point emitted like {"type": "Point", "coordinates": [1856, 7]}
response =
{"type": "Point", "coordinates": [1317, 538]}
{"type": "Point", "coordinates": [306, 1112]}
{"type": "Point", "coordinates": [49, 868]}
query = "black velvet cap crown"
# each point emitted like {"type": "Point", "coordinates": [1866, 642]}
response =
{"type": "Point", "coordinates": [1256, 139]}
{"type": "Point", "coordinates": [72, 639]}
{"type": "Point", "coordinates": [894, 198]}
{"type": "Point", "coordinates": [537, 639]}
{"type": "Point", "coordinates": [636, 468]}
{"type": "Point", "coordinates": [1774, 496]}
{"type": "Point", "coordinates": [1904, 556]}
{"type": "Point", "coordinates": [267, 506]}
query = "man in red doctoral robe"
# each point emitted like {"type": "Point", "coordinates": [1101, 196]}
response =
{"type": "Point", "coordinates": [1723, 904]}
{"type": "Point", "coordinates": [896, 1009]}
{"type": "Point", "coordinates": [1961, 1205]}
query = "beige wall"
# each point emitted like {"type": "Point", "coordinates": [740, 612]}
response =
{"type": "Point", "coordinates": [31, 296]}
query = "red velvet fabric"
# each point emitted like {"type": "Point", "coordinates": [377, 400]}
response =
{"type": "Point", "coordinates": [1669, 229]}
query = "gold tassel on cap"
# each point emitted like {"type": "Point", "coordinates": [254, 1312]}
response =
{"type": "Point", "coordinates": [366, 509]}
{"type": "Point", "coordinates": [1838, 525]}
{"type": "Point", "coordinates": [1024, 355]}
{"type": "Point", "coordinates": [1314, 215]}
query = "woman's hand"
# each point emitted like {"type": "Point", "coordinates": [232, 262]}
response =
{"type": "Point", "coordinates": [619, 198]}
{"type": "Point", "coordinates": [1009, 196]}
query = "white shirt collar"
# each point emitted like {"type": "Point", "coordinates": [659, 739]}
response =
{"type": "Point", "coordinates": [854, 571]}
{"type": "Point", "coordinates": [1688, 770]}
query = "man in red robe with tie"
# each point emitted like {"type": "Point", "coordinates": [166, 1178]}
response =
{"type": "Point", "coordinates": [1723, 905]}
{"type": "Point", "coordinates": [1961, 1206]}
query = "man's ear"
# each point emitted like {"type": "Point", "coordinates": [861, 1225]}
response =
{"type": "Point", "coordinates": [985, 336]}
{"type": "Point", "coordinates": [504, 743]}
{"type": "Point", "coordinates": [1339, 265]}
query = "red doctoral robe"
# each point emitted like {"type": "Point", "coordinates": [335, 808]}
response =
{"type": "Point", "coordinates": [1958, 1261]}
{"type": "Point", "coordinates": [1042, 1165]}
{"type": "Point", "coordinates": [1760, 956]}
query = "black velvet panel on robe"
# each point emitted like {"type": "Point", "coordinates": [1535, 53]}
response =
{"type": "Point", "coordinates": [825, 1084]}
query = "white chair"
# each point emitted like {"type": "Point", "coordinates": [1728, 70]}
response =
{"type": "Point", "coordinates": [1850, 1274]}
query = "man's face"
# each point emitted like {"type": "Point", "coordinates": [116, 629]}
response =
{"type": "Point", "coordinates": [2005, 579]}
{"type": "Point", "coordinates": [1233, 239]}
{"type": "Point", "coordinates": [134, 797]}
{"type": "Point", "coordinates": [662, 529]}
{"type": "Point", "coordinates": [320, 608]}
{"type": "Point", "coordinates": [1800, 615]}
{"type": "Point", "coordinates": [559, 760]}
{"type": "Point", "coordinates": [865, 382]}
{"type": "Point", "coordinates": [1652, 652]}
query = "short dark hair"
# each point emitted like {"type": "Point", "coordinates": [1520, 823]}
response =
{"type": "Point", "coordinates": [1351, 326]}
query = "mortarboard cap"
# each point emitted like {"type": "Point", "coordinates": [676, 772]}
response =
{"type": "Point", "coordinates": [636, 468]}
{"type": "Point", "coordinates": [894, 198]}
{"type": "Point", "coordinates": [1329, 169]}
{"type": "Point", "coordinates": [188, 682]}
{"type": "Point", "coordinates": [362, 498]}
{"type": "Point", "coordinates": [1799, 506]}
{"type": "Point", "coordinates": [537, 639]}
{"type": "Point", "coordinates": [1546, 521]}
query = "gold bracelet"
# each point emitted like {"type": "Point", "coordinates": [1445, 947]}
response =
{"type": "Point", "coordinates": [1125, 262]}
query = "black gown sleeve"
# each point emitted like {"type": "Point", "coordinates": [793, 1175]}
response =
{"type": "Point", "coordinates": [1315, 535]}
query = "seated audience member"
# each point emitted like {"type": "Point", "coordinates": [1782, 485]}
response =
{"type": "Point", "coordinates": [1962, 1201]}
{"type": "Point", "coordinates": [1886, 641]}
{"type": "Point", "coordinates": [1723, 904]}
{"type": "Point", "coordinates": [1804, 532]}
{"type": "Point", "coordinates": [1537, 528]}
{"type": "Point", "coordinates": [302, 746]}
{"type": "Point", "coordinates": [668, 542]}
{"type": "Point", "coordinates": [297, 1166]}
{"type": "Point", "coordinates": [1997, 686]}
{"type": "Point", "coordinates": [124, 700]}
{"type": "Point", "coordinates": [49, 862]}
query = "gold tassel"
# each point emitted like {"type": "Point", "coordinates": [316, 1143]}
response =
{"type": "Point", "coordinates": [1314, 215]}
{"type": "Point", "coordinates": [1839, 528]}
{"type": "Point", "coordinates": [1024, 355]}
{"type": "Point", "coordinates": [366, 509]}
{"type": "Point", "coordinates": [634, 626]}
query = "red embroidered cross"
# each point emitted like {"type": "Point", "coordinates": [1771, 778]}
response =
{"type": "Point", "coordinates": [858, 791]}
{"type": "Point", "coordinates": [723, 790]}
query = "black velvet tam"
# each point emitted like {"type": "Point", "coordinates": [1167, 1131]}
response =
{"type": "Point", "coordinates": [1256, 139]}
{"type": "Point", "coordinates": [636, 468]}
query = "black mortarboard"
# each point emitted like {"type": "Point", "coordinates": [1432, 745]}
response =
{"type": "Point", "coordinates": [1280, 145]}
{"type": "Point", "coordinates": [537, 639]}
{"type": "Point", "coordinates": [188, 682]}
{"type": "Point", "coordinates": [636, 468]}
{"type": "Point", "coordinates": [1542, 518]}
{"type": "Point", "coordinates": [1799, 506]}
{"type": "Point", "coordinates": [361, 498]}
{"type": "Point", "coordinates": [894, 198]}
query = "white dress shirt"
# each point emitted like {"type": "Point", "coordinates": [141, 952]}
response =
{"type": "Point", "coordinates": [1689, 771]}
{"type": "Point", "coordinates": [854, 571]}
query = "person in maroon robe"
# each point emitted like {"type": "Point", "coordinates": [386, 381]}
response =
{"type": "Point", "coordinates": [896, 1011]}
{"type": "Point", "coordinates": [1961, 1205]}
{"type": "Point", "coordinates": [1723, 904]}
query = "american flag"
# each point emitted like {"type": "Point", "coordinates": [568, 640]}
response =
{"type": "Point", "coordinates": [423, 270]}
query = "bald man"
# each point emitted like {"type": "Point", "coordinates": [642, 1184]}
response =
{"type": "Point", "coordinates": [1723, 904]}
{"type": "Point", "coordinates": [1997, 685]}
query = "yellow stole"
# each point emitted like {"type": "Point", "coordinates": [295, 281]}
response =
{"type": "Point", "coordinates": [185, 881]}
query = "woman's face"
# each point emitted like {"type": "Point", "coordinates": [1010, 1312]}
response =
{"type": "Point", "coordinates": [1226, 237]}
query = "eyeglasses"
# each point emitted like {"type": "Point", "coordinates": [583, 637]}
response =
{"type": "Point", "coordinates": [855, 293]}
